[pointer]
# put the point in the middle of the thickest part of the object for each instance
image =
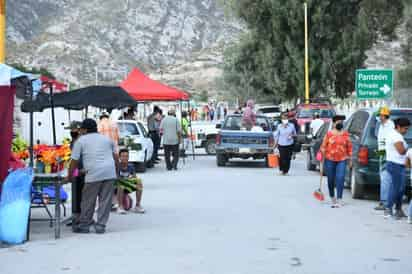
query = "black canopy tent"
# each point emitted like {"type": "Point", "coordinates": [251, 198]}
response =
{"type": "Point", "coordinates": [98, 96]}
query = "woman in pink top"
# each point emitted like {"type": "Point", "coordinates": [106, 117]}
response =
{"type": "Point", "coordinates": [249, 116]}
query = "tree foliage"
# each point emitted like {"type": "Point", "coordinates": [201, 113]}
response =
{"type": "Point", "coordinates": [405, 74]}
{"type": "Point", "coordinates": [269, 58]}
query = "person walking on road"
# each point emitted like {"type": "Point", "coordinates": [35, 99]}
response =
{"type": "Point", "coordinates": [284, 142]}
{"type": "Point", "coordinates": [386, 125]}
{"type": "Point", "coordinates": [100, 162]}
{"type": "Point", "coordinates": [153, 126]}
{"type": "Point", "coordinates": [316, 124]}
{"type": "Point", "coordinates": [396, 150]}
{"type": "Point", "coordinates": [171, 131]}
{"type": "Point", "coordinates": [337, 153]}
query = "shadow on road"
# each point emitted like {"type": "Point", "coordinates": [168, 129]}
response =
{"type": "Point", "coordinates": [246, 164]}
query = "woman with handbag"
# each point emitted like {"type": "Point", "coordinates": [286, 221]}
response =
{"type": "Point", "coordinates": [284, 142]}
{"type": "Point", "coordinates": [336, 152]}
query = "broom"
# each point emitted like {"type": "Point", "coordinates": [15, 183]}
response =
{"type": "Point", "coordinates": [318, 194]}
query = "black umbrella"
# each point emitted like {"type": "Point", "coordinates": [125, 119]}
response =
{"type": "Point", "coordinates": [97, 96]}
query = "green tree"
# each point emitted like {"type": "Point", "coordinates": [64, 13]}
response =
{"type": "Point", "coordinates": [270, 56]}
{"type": "Point", "coordinates": [405, 74]}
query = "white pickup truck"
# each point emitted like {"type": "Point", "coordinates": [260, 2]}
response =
{"type": "Point", "coordinates": [134, 137]}
{"type": "Point", "coordinates": [204, 135]}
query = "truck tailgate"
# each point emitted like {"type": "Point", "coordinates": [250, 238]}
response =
{"type": "Point", "coordinates": [245, 139]}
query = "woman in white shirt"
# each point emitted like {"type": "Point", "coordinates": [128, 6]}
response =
{"type": "Point", "coordinates": [396, 149]}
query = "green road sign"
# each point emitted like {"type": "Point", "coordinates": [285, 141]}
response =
{"type": "Point", "coordinates": [374, 83]}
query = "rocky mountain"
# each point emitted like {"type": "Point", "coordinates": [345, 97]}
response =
{"type": "Point", "coordinates": [178, 42]}
{"type": "Point", "coordinates": [82, 41]}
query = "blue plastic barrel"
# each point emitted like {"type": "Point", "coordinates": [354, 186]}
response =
{"type": "Point", "coordinates": [15, 206]}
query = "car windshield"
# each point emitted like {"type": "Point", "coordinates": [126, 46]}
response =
{"type": "Point", "coordinates": [269, 110]}
{"type": "Point", "coordinates": [235, 123]}
{"type": "Point", "coordinates": [127, 129]}
{"type": "Point", "coordinates": [310, 113]}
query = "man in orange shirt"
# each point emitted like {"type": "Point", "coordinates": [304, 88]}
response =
{"type": "Point", "coordinates": [109, 129]}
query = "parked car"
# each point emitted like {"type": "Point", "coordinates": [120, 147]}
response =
{"type": "Point", "coordinates": [233, 141]}
{"type": "Point", "coordinates": [314, 146]}
{"type": "Point", "coordinates": [204, 136]}
{"type": "Point", "coordinates": [305, 114]}
{"type": "Point", "coordinates": [362, 127]}
{"type": "Point", "coordinates": [272, 112]}
{"type": "Point", "coordinates": [134, 137]}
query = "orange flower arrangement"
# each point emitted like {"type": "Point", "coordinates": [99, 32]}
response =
{"type": "Point", "coordinates": [53, 154]}
{"type": "Point", "coordinates": [49, 157]}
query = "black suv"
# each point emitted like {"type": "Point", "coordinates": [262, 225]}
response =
{"type": "Point", "coordinates": [362, 127]}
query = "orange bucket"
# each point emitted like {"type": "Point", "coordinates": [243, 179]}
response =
{"type": "Point", "coordinates": [273, 161]}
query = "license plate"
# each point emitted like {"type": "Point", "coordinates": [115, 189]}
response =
{"type": "Point", "coordinates": [244, 150]}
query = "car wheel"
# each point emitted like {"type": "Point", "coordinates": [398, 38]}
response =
{"type": "Point", "coordinates": [356, 188]}
{"type": "Point", "coordinates": [221, 160]}
{"type": "Point", "coordinates": [309, 165]}
{"type": "Point", "coordinates": [210, 147]}
{"type": "Point", "coordinates": [141, 167]}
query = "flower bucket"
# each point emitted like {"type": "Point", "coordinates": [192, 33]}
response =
{"type": "Point", "coordinates": [47, 168]}
{"type": "Point", "coordinates": [273, 161]}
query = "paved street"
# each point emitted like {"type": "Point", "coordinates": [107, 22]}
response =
{"type": "Point", "coordinates": [242, 219]}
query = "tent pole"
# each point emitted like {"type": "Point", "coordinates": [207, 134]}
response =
{"type": "Point", "coordinates": [31, 148]}
{"type": "Point", "coordinates": [181, 124]}
{"type": "Point", "coordinates": [53, 114]}
{"type": "Point", "coordinates": [191, 129]}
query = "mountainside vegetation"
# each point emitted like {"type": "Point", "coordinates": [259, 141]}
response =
{"type": "Point", "coordinates": [269, 59]}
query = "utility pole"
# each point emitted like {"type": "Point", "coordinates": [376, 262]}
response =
{"type": "Point", "coordinates": [2, 31]}
{"type": "Point", "coordinates": [307, 83]}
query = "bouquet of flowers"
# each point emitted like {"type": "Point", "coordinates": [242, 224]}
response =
{"type": "Point", "coordinates": [19, 148]}
{"type": "Point", "coordinates": [53, 157]}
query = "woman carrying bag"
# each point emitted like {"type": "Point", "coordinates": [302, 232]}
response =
{"type": "Point", "coordinates": [336, 150]}
{"type": "Point", "coordinates": [284, 142]}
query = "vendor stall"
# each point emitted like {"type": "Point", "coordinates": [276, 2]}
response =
{"type": "Point", "coordinates": [144, 89]}
{"type": "Point", "coordinates": [52, 160]}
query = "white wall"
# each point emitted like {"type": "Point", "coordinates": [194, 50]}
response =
{"type": "Point", "coordinates": [43, 125]}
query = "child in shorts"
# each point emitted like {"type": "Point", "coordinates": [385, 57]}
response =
{"type": "Point", "coordinates": [127, 171]}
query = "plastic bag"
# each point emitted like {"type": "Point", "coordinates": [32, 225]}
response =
{"type": "Point", "coordinates": [15, 206]}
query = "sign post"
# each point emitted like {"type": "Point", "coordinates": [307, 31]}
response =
{"type": "Point", "coordinates": [2, 31]}
{"type": "Point", "coordinates": [374, 84]}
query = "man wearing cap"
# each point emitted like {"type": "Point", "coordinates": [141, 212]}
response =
{"type": "Point", "coordinates": [386, 125]}
{"type": "Point", "coordinates": [153, 127]}
{"type": "Point", "coordinates": [171, 131]}
{"type": "Point", "coordinates": [100, 161]}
